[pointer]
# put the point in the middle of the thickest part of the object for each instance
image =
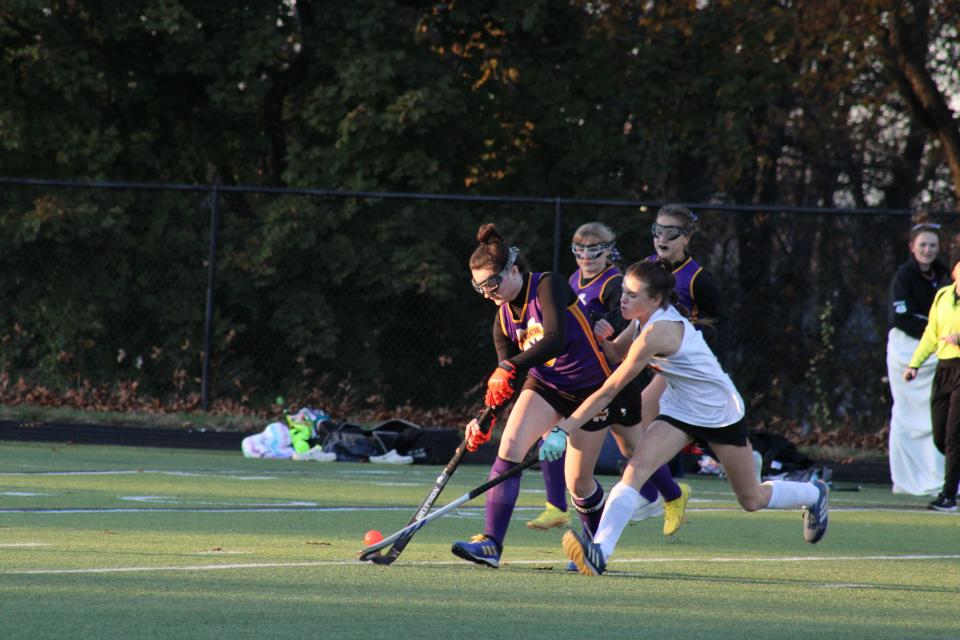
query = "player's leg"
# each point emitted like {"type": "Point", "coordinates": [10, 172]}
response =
{"type": "Point", "coordinates": [554, 483]}
{"type": "Point", "coordinates": [651, 498]}
{"type": "Point", "coordinates": [947, 500]}
{"type": "Point", "coordinates": [530, 418]}
{"type": "Point", "coordinates": [675, 495]}
{"type": "Point", "coordinates": [660, 443]}
{"type": "Point", "coordinates": [737, 461]}
{"type": "Point", "coordinates": [583, 451]}
{"type": "Point", "coordinates": [940, 416]}
{"type": "Point", "coordinates": [751, 495]}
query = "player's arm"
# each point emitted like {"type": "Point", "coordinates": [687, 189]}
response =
{"type": "Point", "coordinates": [906, 316]}
{"type": "Point", "coordinates": [929, 340]}
{"type": "Point", "coordinates": [710, 304]}
{"type": "Point", "coordinates": [659, 338]}
{"type": "Point", "coordinates": [554, 295]}
{"type": "Point", "coordinates": [506, 348]}
{"type": "Point", "coordinates": [610, 299]}
{"type": "Point", "coordinates": [502, 383]}
{"type": "Point", "coordinates": [616, 350]}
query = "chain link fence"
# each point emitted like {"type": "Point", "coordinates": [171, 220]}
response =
{"type": "Point", "coordinates": [350, 300]}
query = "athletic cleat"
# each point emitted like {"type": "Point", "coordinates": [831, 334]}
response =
{"type": "Point", "coordinates": [815, 518]}
{"type": "Point", "coordinates": [550, 518]}
{"type": "Point", "coordinates": [572, 566]}
{"type": "Point", "coordinates": [584, 553]}
{"type": "Point", "coordinates": [675, 511]}
{"type": "Point", "coordinates": [481, 549]}
{"type": "Point", "coordinates": [391, 457]}
{"type": "Point", "coordinates": [943, 503]}
{"type": "Point", "coordinates": [648, 510]}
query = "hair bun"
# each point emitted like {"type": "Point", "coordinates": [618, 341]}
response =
{"type": "Point", "coordinates": [488, 234]}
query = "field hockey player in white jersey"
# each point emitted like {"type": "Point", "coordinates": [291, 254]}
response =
{"type": "Point", "coordinates": [700, 404]}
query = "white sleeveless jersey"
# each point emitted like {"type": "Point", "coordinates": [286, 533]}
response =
{"type": "Point", "coordinates": [698, 391]}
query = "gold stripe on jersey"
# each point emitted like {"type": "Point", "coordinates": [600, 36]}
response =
{"type": "Point", "coordinates": [580, 283]}
{"type": "Point", "coordinates": [588, 332]}
{"type": "Point", "coordinates": [683, 264]}
{"type": "Point", "coordinates": [693, 298]}
{"type": "Point", "coordinates": [603, 289]}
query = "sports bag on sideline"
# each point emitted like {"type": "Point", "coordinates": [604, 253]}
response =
{"type": "Point", "coordinates": [351, 442]}
{"type": "Point", "coordinates": [425, 446]}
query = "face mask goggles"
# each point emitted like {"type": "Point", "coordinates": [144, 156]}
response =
{"type": "Point", "coordinates": [668, 232]}
{"type": "Point", "coordinates": [491, 284]}
{"type": "Point", "coordinates": [590, 251]}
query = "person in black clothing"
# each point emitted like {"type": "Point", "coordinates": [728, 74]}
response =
{"type": "Point", "coordinates": [916, 467]}
{"type": "Point", "coordinates": [696, 289]}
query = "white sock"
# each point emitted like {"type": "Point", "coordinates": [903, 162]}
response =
{"type": "Point", "coordinates": [621, 503]}
{"type": "Point", "coordinates": [789, 495]}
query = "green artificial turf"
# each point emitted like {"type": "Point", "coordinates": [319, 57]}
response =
{"type": "Point", "coordinates": [122, 542]}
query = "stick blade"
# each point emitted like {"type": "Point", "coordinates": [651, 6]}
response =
{"type": "Point", "coordinates": [383, 559]}
{"type": "Point", "coordinates": [370, 554]}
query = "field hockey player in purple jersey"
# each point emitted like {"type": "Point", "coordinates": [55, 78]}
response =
{"type": "Point", "coordinates": [597, 283]}
{"type": "Point", "coordinates": [700, 403]}
{"type": "Point", "coordinates": [549, 362]}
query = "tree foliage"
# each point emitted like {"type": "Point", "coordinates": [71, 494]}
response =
{"type": "Point", "coordinates": [731, 101]}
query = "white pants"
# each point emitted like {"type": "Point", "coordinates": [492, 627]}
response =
{"type": "Point", "coordinates": [916, 466]}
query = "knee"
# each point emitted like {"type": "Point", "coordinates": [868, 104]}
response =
{"type": "Point", "coordinates": [637, 466]}
{"type": "Point", "coordinates": [511, 449]}
{"type": "Point", "coordinates": [752, 502]}
{"type": "Point", "coordinates": [582, 486]}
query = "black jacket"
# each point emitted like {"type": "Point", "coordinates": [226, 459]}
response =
{"type": "Point", "coordinates": [911, 294]}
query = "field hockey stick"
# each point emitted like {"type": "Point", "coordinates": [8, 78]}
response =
{"type": "Point", "coordinates": [370, 552]}
{"type": "Point", "coordinates": [484, 420]}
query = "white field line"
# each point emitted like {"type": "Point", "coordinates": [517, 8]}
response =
{"type": "Point", "coordinates": [18, 545]}
{"type": "Point", "coordinates": [438, 563]}
{"type": "Point", "coordinates": [235, 509]}
{"type": "Point", "coordinates": [228, 474]}
{"type": "Point", "coordinates": [228, 508]}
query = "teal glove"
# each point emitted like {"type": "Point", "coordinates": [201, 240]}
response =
{"type": "Point", "coordinates": [553, 445]}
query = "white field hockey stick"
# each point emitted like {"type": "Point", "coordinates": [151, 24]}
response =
{"type": "Point", "coordinates": [407, 532]}
{"type": "Point", "coordinates": [485, 420]}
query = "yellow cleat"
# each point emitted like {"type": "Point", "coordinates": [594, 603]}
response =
{"type": "Point", "coordinates": [550, 518]}
{"type": "Point", "coordinates": [675, 511]}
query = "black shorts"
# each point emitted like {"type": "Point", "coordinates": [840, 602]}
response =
{"type": "Point", "coordinates": [735, 434]}
{"type": "Point", "coordinates": [623, 410]}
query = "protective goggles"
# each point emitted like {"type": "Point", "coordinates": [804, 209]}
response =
{"type": "Point", "coordinates": [491, 284]}
{"type": "Point", "coordinates": [590, 251]}
{"type": "Point", "coordinates": [668, 231]}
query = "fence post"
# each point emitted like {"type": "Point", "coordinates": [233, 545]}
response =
{"type": "Point", "coordinates": [557, 238]}
{"type": "Point", "coordinates": [211, 280]}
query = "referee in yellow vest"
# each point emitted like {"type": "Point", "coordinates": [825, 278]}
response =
{"type": "Point", "coordinates": [942, 336]}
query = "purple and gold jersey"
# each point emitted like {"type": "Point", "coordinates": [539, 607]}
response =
{"type": "Point", "coordinates": [581, 365]}
{"type": "Point", "coordinates": [685, 274]}
{"type": "Point", "coordinates": [593, 293]}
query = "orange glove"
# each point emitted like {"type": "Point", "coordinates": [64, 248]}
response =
{"type": "Point", "coordinates": [500, 384]}
{"type": "Point", "coordinates": [476, 436]}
